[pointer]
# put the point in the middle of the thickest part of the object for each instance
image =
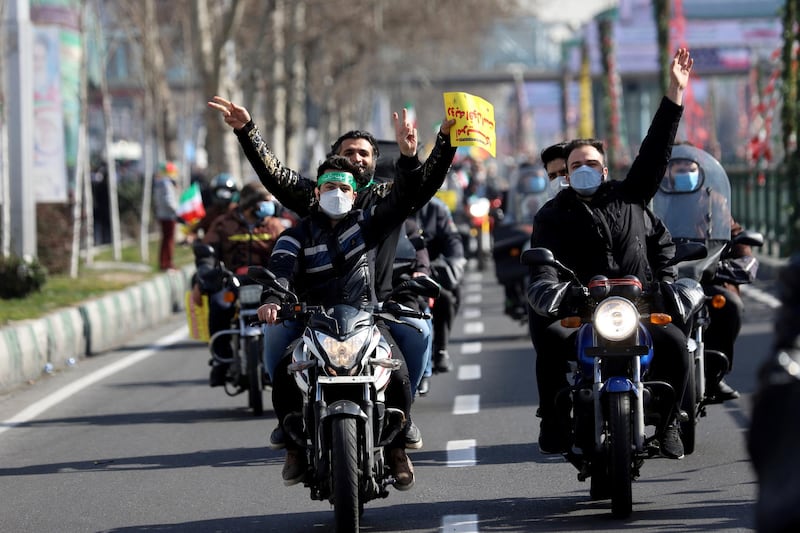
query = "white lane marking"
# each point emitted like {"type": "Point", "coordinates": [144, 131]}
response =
{"type": "Point", "coordinates": [473, 277]}
{"type": "Point", "coordinates": [34, 410]}
{"type": "Point", "coordinates": [473, 328]}
{"type": "Point", "coordinates": [460, 523]}
{"type": "Point", "coordinates": [468, 372]}
{"type": "Point", "coordinates": [471, 313]}
{"type": "Point", "coordinates": [466, 404]}
{"type": "Point", "coordinates": [760, 296]}
{"type": "Point", "coordinates": [473, 287]}
{"type": "Point", "coordinates": [461, 453]}
{"type": "Point", "coordinates": [471, 347]}
{"type": "Point", "coordinates": [474, 298]}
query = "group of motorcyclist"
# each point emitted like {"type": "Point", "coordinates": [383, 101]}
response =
{"type": "Point", "coordinates": [352, 231]}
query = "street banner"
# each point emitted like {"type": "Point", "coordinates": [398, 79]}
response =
{"type": "Point", "coordinates": [474, 121]}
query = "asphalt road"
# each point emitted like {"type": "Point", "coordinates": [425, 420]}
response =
{"type": "Point", "coordinates": [135, 440]}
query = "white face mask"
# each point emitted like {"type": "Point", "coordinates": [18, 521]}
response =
{"type": "Point", "coordinates": [335, 203]}
{"type": "Point", "coordinates": [585, 180]}
{"type": "Point", "coordinates": [556, 185]}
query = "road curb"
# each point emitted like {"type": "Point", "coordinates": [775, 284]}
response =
{"type": "Point", "coordinates": [31, 348]}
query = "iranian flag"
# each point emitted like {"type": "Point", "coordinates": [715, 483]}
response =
{"type": "Point", "coordinates": [190, 207]}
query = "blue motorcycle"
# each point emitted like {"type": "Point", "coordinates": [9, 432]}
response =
{"type": "Point", "coordinates": [613, 402]}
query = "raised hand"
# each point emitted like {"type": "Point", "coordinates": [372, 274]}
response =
{"type": "Point", "coordinates": [235, 116]}
{"type": "Point", "coordinates": [679, 72]}
{"type": "Point", "coordinates": [405, 134]}
{"type": "Point", "coordinates": [447, 124]}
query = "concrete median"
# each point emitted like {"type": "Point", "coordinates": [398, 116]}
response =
{"type": "Point", "coordinates": [30, 348]}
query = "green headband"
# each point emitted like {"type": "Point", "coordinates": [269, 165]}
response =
{"type": "Point", "coordinates": [342, 177]}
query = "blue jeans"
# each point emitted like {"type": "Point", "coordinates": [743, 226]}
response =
{"type": "Point", "coordinates": [277, 337]}
{"type": "Point", "coordinates": [416, 346]}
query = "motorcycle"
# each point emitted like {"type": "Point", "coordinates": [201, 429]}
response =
{"type": "Point", "coordinates": [700, 213]}
{"type": "Point", "coordinates": [612, 401]}
{"type": "Point", "coordinates": [246, 371]}
{"type": "Point", "coordinates": [475, 226]}
{"type": "Point", "coordinates": [342, 366]}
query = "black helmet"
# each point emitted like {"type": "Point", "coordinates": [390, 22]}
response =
{"type": "Point", "coordinates": [224, 189]}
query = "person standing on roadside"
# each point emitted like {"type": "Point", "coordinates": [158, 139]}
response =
{"type": "Point", "coordinates": [165, 200]}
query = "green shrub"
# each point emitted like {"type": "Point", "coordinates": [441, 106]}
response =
{"type": "Point", "coordinates": [20, 277]}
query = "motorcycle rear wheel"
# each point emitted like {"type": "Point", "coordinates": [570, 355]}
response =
{"type": "Point", "coordinates": [255, 375]}
{"type": "Point", "coordinates": [344, 456]}
{"type": "Point", "coordinates": [620, 448]}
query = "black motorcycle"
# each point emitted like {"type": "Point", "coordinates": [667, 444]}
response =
{"type": "Point", "coordinates": [342, 365]}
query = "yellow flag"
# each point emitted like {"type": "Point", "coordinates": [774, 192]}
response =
{"type": "Point", "coordinates": [586, 120]}
{"type": "Point", "coordinates": [474, 121]}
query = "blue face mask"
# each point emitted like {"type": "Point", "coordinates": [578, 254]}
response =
{"type": "Point", "coordinates": [585, 180]}
{"type": "Point", "coordinates": [686, 181]}
{"type": "Point", "coordinates": [264, 209]}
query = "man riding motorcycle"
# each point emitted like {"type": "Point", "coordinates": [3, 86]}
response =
{"type": "Point", "coordinates": [297, 194]}
{"type": "Point", "coordinates": [602, 227]}
{"type": "Point", "coordinates": [240, 238]}
{"type": "Point", "coordinates": [326, 274]}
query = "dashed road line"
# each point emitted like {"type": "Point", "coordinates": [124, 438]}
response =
{"type": "Point", "coordinates": [460, 523]}
{"type": "Point", "coordinates": [760, 296]}
{"type": "Point", "coordinates": [473, 328]}
{"type": "Point", "coordinates": [471, 347]}
{"type": "Point", "coordinates": [471, 313]}
{"type": "Point", "coordinates": [467, 404]}
{"type": "Point", "coordinates": [461, 453]}
{"type": "Point", "coordinates": [469, 372]}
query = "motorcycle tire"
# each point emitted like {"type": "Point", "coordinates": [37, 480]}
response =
{"type": "Point", "coordinates": [689, 406]}
{"type": "Point", "coordinates": [620, 449]}
{"type": "Point", "coordinates": [344, 456]}
{"type": "Point", "coordinates": [255, 375]}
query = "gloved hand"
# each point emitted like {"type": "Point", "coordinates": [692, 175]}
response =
{"type": "Point", "coordinates": [573, 299]}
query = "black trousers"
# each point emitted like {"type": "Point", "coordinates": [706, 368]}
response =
{"type": "Point", "coordinates": [555, 347]}
{"type": "Point", "coordinates": [724, 323]}
{"type": "Point", "coordinates": [287, 398]}
{"type": "Point", "coordinates": [443, 313]}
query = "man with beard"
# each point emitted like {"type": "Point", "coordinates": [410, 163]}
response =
{"type": "Point", "coordinates": [297, 193]}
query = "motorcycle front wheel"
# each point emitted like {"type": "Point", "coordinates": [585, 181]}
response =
{"type": "Point", "coordinates": [620, 449]}
{"type": "Point", "coordinates": [689, 406]}
{"type": "Point", "coordinates": [255, 375]}
{"type": "Point", "coordinates": [344, 456]}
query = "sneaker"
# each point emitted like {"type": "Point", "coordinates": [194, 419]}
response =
{"type": "Point", "coordinates": [441, 362]}
{"type": "Point", "coordinates": [722, 392]}
{"type": "Point", "coordinates": [401, 467]}
{"type": "Point", "coordinates": [555, 436]}
{"type": "Point", "coordinates": [413, 436]}
{"type": "Point", "coordinates": [217, 377]}
{"type": "Point", "coordinates": [294, 467]}
{"type": "Point", "coordinates": [424, 386]}
{"type": "Point", "coordinates": [277, 439]}
{"type": "Point", "coordinates": [671, 444]}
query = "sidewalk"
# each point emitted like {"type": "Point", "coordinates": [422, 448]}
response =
{"type": "Point", "coordinates": [90, 328]}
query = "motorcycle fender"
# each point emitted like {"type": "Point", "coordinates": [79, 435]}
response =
{"type": "Point", "coordinates": [343, 408]}
{"type": "Point", "coordinates": [619, 384]}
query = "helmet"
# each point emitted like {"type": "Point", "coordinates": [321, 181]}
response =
{"type": "Point", "coordinates": [224, 189]}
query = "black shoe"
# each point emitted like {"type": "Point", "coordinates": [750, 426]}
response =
{"type": "Point", "coordinates": [294, 467]}
{"type": "Point", "coordinates": [441, 362]}
{"type": "Point", "coordinates": [424, 386]}
{"type": "Point", "coordinates": [277, 439]}
{"type": "Point", "coordinates": [722, 392]}
{"type": "Point", "coordinates": [217, 377]}
{"type": "Point", "coordinates": [413, 436]}
{"type": "Point", "coordinates": [671, 444]}
{"type": "Point", "coordinates": [555, 436]}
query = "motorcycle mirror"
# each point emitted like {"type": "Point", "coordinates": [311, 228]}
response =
{"type": "Point", "coordinates": [544, 257]}
{"type": "Point", "coordinates": [537, 257]}
{"type": "Point", "coordinates": [750, 238]}
{"type": "Point", "coordinates": [259, 273]}
{"type": "Point", "coordinates": [203, 251]}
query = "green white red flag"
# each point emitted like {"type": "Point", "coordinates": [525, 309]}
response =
{"type": "Point", "coordinates": [190, 206]}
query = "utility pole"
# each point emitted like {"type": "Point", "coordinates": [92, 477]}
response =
{"type": "Point", "coordinates": [19, 58]}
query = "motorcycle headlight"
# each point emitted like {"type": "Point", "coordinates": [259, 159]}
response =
{"type": "Point", "coordinates": [616, 318]}
{"type": "Point", "coordinates": [479, 208]}
{"type": "Point", "coordinates": [343, 354]}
